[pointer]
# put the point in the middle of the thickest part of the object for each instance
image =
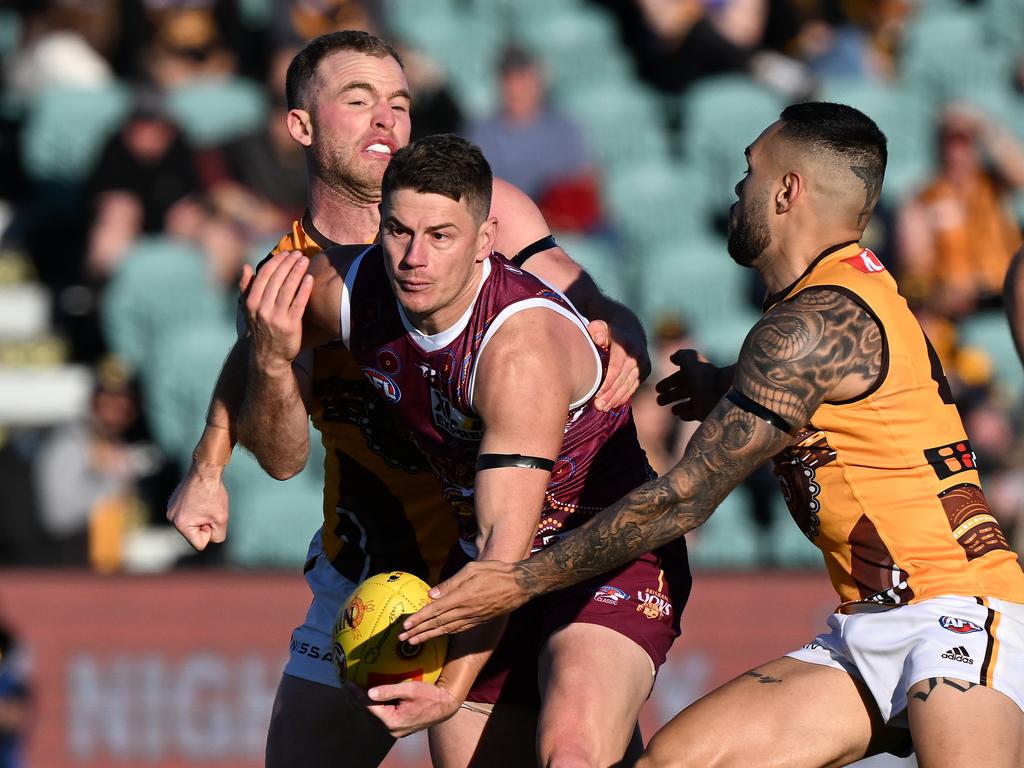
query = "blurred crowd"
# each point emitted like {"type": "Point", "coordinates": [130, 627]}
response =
{"type": "Point", "coordinates": [145, 159]}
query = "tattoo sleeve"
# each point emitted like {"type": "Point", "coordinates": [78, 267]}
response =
{"type": "Point", "coordinates": [790, 362]}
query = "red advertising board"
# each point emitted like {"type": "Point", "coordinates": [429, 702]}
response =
{"type": "Point", "coordinates": [181, 669]}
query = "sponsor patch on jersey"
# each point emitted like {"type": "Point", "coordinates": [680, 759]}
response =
{"type": "Point", "coordinates": [609, 594]}
{"type": "Point", "coordinates": [952, 459]}
{"type": "Point", "coordinates": [453, 421]}
{"type": "Point", "coordinates": [866, 261]}
{"type": "Point", "coordinates": [958, 625]}
{"type": "Point", "coordinates": [384, 384]}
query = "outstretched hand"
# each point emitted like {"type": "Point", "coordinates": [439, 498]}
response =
{"type": "Point", "coordinates": [477, 593]}
{"type": "Point", "coordinates": [695, 388]}
{"type": "Point", "coordinates": [628, 366]}
{"type": "Point", "coordinates": [408, 707]}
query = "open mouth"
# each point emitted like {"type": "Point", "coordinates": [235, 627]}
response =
{"type": "Point", "coordinates": [377, 148]}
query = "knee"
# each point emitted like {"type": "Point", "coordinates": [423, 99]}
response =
{"type": "Point", "coordinates": [570, 757]}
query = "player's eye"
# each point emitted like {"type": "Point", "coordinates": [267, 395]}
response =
{"type": "Point", "coordinates": [399, 108]}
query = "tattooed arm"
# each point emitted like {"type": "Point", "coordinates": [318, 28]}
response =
{"type": "Point", "coordinates": [820, 345]}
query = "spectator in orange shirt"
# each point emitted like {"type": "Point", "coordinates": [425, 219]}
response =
{"type": "Point", "coordinates": [957, 235]}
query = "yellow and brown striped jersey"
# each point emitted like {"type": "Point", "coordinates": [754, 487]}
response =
{"type": "Point", "coordinates": [383, 508]}
{"type": "Point", "coordinates": [886, 484]}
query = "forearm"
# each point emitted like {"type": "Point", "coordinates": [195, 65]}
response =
{"type": "Point", "coordinates": [273, 422]}
{"type": "Point", "coordinates": [468, 652]}
{"type": "Point", "coordinates": [726, 448]}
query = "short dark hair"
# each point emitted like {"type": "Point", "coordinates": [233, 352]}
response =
{"type": "Point", "coordinates": [302, 69]}
{"type": "Point", "coordinates": [841, 130]}
{"type": "Point", "coordinates": [443, 164]}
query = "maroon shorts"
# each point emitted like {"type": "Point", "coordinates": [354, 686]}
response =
{"type": "Point", "coordinates": [642, 600]}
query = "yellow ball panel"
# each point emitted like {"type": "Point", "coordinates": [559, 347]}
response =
{"type": "Point", "coordinates": [367, 650]}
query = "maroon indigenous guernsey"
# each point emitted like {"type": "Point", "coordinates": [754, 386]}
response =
{"type": "Point", "coordinates": [428, 381]}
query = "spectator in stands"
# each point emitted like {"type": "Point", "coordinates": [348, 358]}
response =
{"type": "Point", "coordinates": [434, 108]}
{"type": "Point", "coordinates": [258, 181]}
{"type": "Point", "coordinates": [186, 46]}
{"type": "Point", "coordinates": [956, 237]}
{"type": "Point", "coordinates": [538, 148]}
{"type": "Point", "coordinates": [677, 42]}
{"type": "Point", "coordinates": [144, 183]}
{"type": "Point", "coordinates": [85, 473]}
{"type": "Point", "coordinates": [53, 51]}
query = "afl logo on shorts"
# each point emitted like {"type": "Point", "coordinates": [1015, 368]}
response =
{"type": "Point", "coordinates": [609, 594]}
{"type": "Point", "coordinates": [384, 384]}
{"type": "Point", "coordinates": [960, 626]}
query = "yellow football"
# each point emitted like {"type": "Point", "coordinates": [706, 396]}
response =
{"type": "Point", "coordinates": [366, 648]}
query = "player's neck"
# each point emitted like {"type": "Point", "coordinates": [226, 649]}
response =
{"type": "Point", "coordinates": [785, 263]}
{"type": "Point", "coordinates": [340, 217]}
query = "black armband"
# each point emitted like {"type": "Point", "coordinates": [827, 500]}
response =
{"type": "Point", "coordinates": [496, 460]}
{"type": "Point", "coordinates": [541, 245]}
{"type": "Point", "coordinates": [743, 402]}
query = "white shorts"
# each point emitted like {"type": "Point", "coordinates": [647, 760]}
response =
{"type": "Point", "coordinates": [965, 638]}
{"type": "Point", "coordinates": [310, 649]}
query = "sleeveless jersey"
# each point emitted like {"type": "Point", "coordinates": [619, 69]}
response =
{"type": "Point", "coordinates": [886, 484]}
{"type": "Point", "coordinates": [383, 509]}
{"type": "Point", "coordinates": [428, 381]}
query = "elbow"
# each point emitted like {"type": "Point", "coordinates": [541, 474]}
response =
{"type": "Point", "coordinates": [285, 469]}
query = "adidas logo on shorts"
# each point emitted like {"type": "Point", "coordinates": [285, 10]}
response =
{"type": "Point", "coordinates": [958, 654]}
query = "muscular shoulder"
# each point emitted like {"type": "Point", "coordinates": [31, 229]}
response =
{"type": "Point", "coordinates": [540, 345]}
{"type": "Point", "coordinates": [820, 345]}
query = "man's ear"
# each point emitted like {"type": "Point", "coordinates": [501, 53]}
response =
{"type": "Point", "coordinates": [300, 126]}
{"type": "Point", "coordinates": [486, 236]}
{"type": "Point", "coordinates": [791, 189]}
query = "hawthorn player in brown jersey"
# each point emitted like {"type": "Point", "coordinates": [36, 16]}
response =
{"type": "Point", "coordinates": [839, 385]}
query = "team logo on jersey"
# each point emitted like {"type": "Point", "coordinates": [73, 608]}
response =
{"type": "Point", "coordinates": [387, 361]}
{"type": "Point", "coordinates": [609, 594]}
{"type": "Point", "coordinates": [453, 421]}
{"type": "Point", "coordinates": [653, 604]}
{"type": "Point", "coordinates": [957, 625]}
{"type": "Point", "coordinates": [564, 469]}
{"type": "Point", "coordinates": [949, 460]}
{"type": "Point", "coordinates": [866, 261]}
{"type": "Point", "coordinates": [384, 384]}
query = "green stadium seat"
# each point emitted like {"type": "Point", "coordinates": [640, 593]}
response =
{"type": "Point", "coordinates": [178, 381]}
{"type": "Point", "coordinates": [161, 286]}
{"type": "Point", "coordinates": [696, 277]}
{"type": "Point", "coordinates": [792, 549]}
{"type": "Point", "coordinates": [604, 263]}
{"type": "Point", "coordinates": [905, 118]}
{"type": "Point", "coordinates": [990, 332]}
{"type": "Point", "coordinates": [66, 129]}
{"type": "Point", "coordinates": [650, 202]}
{"type": "Point", "coordinates": [271, 521]}
{"type": "Point", "coordinates": [10, 30]}
{"type": "Point", "coordinates": [215, 110]}
{"type": "Point", "coordinates": [723, 115]}
{"type": "Point", "coordinates": [953, 55]}
{"type": "Point", "coordinates": [579, 45]}
{"type": "Point", "coordinates": [727, 539]}
{"type": "Point", "coordinates": [621, 125]}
